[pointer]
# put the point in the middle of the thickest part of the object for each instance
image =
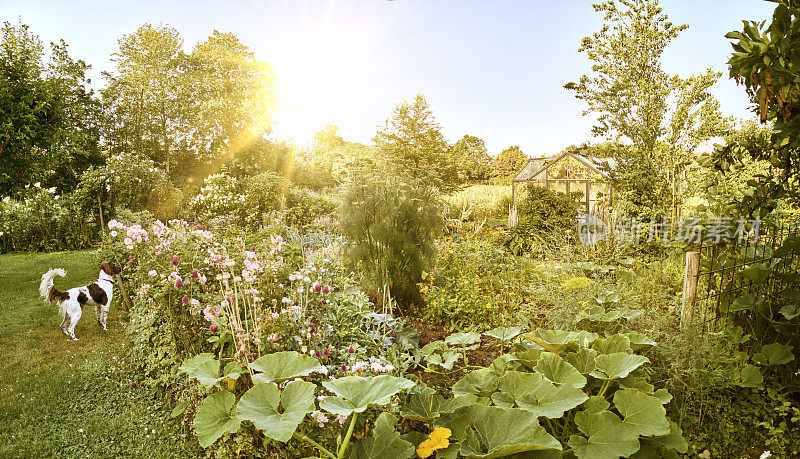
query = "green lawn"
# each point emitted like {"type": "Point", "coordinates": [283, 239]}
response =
{"type": "Point", "coordinates": [61, 398]}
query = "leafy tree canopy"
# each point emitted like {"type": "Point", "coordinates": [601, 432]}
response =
{"type": "Point", "coordinates": [49, 119]}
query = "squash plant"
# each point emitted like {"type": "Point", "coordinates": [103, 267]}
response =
{"type": "Point", "coordinates": [280, 399]}
{"type": "Point", "coordinates": [561, 393]}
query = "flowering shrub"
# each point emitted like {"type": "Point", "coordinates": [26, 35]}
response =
{"type": "Point", "coordinates": [41, 219]}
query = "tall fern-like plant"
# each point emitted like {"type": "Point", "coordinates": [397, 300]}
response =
{"type": "Point", "coordinates": [390, 225]}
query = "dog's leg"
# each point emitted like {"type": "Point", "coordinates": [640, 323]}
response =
{"type": "Point", "coordinates": [104, 317]}
{"type": "Point", "coordinates": [98, 314]}
{"type": "Point", "coordinates": [63, 311]}
{"type": "Point", "coordinates": [74, 316]}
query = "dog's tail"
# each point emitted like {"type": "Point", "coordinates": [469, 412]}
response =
{"type": "Point", "coordinates": [46, 289]}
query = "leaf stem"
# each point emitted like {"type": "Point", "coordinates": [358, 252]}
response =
{"type": "Point", "coordinates": [300, 436]}
{"type": "Point", "coordinates": [346, 441]}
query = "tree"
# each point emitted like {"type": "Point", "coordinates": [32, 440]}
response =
{"type": "Point", "coordinates": [767, 62]}
{"type": "Point", "coordinates": [470, 159]}
{"type": "Point", "coordinates": [191, 111]}
{"type": "Point", "coordinates": [48, 118]}
{"type": "Point", "coordinates": [664, 117]}
{"type": "Point", "coordinates": [146, 97]}
{"type": "Point", "coordinates": [508, 163]}
{"type": "Point", "coordinates": [411, 143]}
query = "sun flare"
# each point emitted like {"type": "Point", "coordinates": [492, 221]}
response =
{"type": "Point", "coordinates": [319, 72]}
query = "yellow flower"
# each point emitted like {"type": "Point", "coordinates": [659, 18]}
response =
{"type": "Point", "coordinates": [438, 439]}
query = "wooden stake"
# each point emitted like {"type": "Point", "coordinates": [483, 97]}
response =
{"type": "Point", "coordinates": [691, 275]}
{"type": "Point", "coordinates": [125, 297]}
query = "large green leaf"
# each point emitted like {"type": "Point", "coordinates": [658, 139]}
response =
{"type": "Point", "coordinates": [557, 341]}
{"type": "Point", "coordinates": [446, 359]}
{"type": "Point", "coordinates": [743, 303]}
{"type": "Point", "coordinates": [384, 443]}
{"type": "Point", "coordinates": [529, 357]}
{"type": "Point", "coordinates": [532, 392]}
{"type": "Point", "coordinates": [465, 339]}
{"type": "Point", "coordinates": [481, 382]}
{"type": "Point", "coordinates": [426, 408]}
{"type": "Point", "coordinates": [774, 354]}
{"type": "Point", "coordinates": [277, 413]}
{"type": "Point", "coordinates": [557, 370]}
{"type": "Point", "coordinates": [639, 341]}
{"type": "Point", "coordinates": [203, 367]}
{"type": "Point", "coordinates": [355, 393]}
{"type": "Point", "coordinates": [214, 418]}
{"type": "Point", "coordinates": [504, 333]}
{"type": "Point", "coordinates": [583, 360]}
{"type": "Point", "coordinates": [643, 414]}
{"type": "Point", "coordinates": [496, 432]}
{"type": "Point", "coordinates": [606, 438]}
{"type": "Point", "coordinates": [750, 376]}
{"type": "Point", "coordinates": [283, 366]}
{"type": "Point", "coordinates": [617, 365]}
{"type": "Point", "coordinates": [673, 440]}
{"type": "Point", "coordinates": [612, 344]}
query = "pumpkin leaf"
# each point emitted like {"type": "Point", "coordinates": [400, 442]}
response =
{"type": "Point", "coordinates": [465, 339]}
{"type": "Point", "coordinates": [384, 443]}
{"type": "Point", "coordinates": [557, 370]}
{"type": "Point", "coordinates": [283, 366]}
{"type": "Point", "coordinates": [203, 367]}
{"type": "Point", "coordinates": [496, 432]}
{"type": "Point", "coordinates": [774, 354]}
{"type": "Point", "coordinates": [532, 392]}
{"type": "Point", "coordinates": [643, 414]}
{"type": "Point", "coordinates": [673, 440]}
{"type": "Point", "coordinates": [481, 382]}
{"type": "Point", "coordinates": [750, 376]}
{"type": "Point", "coordinates": [356, 394]}
{"type": "Point", "coordinates": [612, 344]}
{"type": "Point", "coordinates": [639, 341]}
{"type": "Point", "coordinates": [277, 414]}
{"type": "Point", "coordinates": [426, 408]}
{"type": "Point", "coordinates": [214, 418]}
{"type": "Point", "coordinates": [617, 365]}
{"type": "Point", "coordinates": [583, 360]}
{"type": "Point", "coordinates": [606, 438]}
{"type": "Point", "coordinates": [504, 333]}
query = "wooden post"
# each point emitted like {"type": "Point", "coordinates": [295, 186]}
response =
{"type": "Point", "coordinates": [125, 297]}
{"type": "Point", "coordinates": [690, 276]}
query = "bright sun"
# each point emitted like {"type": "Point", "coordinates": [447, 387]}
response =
{"type": "Point", "coordinates": [319, 71]}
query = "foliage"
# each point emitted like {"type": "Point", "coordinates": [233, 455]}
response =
{"type": "Point", "coordinates": [390, 226]}
{"type": "Point", "coordinates": [507, 164]}
{"type": "Point", "coordinates": [765, 61]}
{"type": "Point", "coordinates": [470, 159]}
{"type": "Point", "coordinates": [184, 110]}
{"type": "Point", "coordinates": [544, 216]}
{"type": "Point", "coordinates": [40, 219]}
{"type": "Point", "coordinates": [479, 202]}
{"type": "Point", "coordinates": [305, 206]}
{"type": "Point", "coordinates": [664, 117]}
{"type": "Point", "coordinates": [472, 285]}
{"type": "Point", "coordinates": [50, 118]}
{"type": "Point", "coordinates": [411, 143]}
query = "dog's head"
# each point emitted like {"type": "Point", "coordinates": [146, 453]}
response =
{"type": "Point", "coordinates": [110, 268]}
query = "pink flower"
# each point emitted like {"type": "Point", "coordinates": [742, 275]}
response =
{"type": "Point", "coordinates": [341, 419]}
{"type": "Point", "coordinates": [195, 274]}
{"type": "Point", "coordinates": [351, 350]}
{"type": "Point", "coordinates": [213, 328]}
{"type": "Point", "coordinates": [185, 299]}
{"type": "Point", "coordinates": [128, 241]}
{"type": "Point", "coordinates": [178, 283]}
{"type": "Point", "coordinates": [175, 260]}
{"type": "Point", "coordinates": [317, 286]}
{"type": "Point", "coordinates": [326, 352]}
{"type": "Point", "coordinates": [326, 289]}
{"type": "Point", "coordinates": [152, 273]}
{"type": "Point", "coordinates": [321, 419]}
{"type": "Point", "coordinates": [317, 353]}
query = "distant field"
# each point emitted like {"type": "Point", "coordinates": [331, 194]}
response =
{"type": "Point", "coordinates": [481, 201]}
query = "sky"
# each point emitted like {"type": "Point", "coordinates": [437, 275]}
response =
{"type": "Point", "coordinates": [494, 69]}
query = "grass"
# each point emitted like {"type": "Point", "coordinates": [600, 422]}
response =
{"type": "Point", "coordinates": [60, 398]}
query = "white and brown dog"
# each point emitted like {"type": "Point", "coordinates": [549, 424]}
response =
{"type": "Point", "coordinates": [71, 302]}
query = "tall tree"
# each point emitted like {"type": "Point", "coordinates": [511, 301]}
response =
{"type": "Point", "coordinates": [48, 117]}
{"type": "Point", "coordinates": [508, 163]}
{"type": "Point", "coordinates": [470, 159]}
{"type": "Point", "coordinates": [412, 143]}
{"type": "Point", "coordinates": [145, 98]}
{"type": "Point", "coordinates": [664, 117]}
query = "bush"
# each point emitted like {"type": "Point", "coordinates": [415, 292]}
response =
{"type": "Point", "coordinates": [303, 206]}
{"type": "Point", "coordinates": [41, 220]}
{"type": "Point", "coordinates": [545, 217]}
{"type": "Point", "coordinates": [390, 226]}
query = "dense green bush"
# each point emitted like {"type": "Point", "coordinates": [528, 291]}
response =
{"type": "Point", "coordinates": [390, 226]}
{"type": "Point", "coordinates": [41, 220]}
{"type": "Point", "coordinates": [545, 216]}
{"type": "Point", "coordinates": [303, 206]}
